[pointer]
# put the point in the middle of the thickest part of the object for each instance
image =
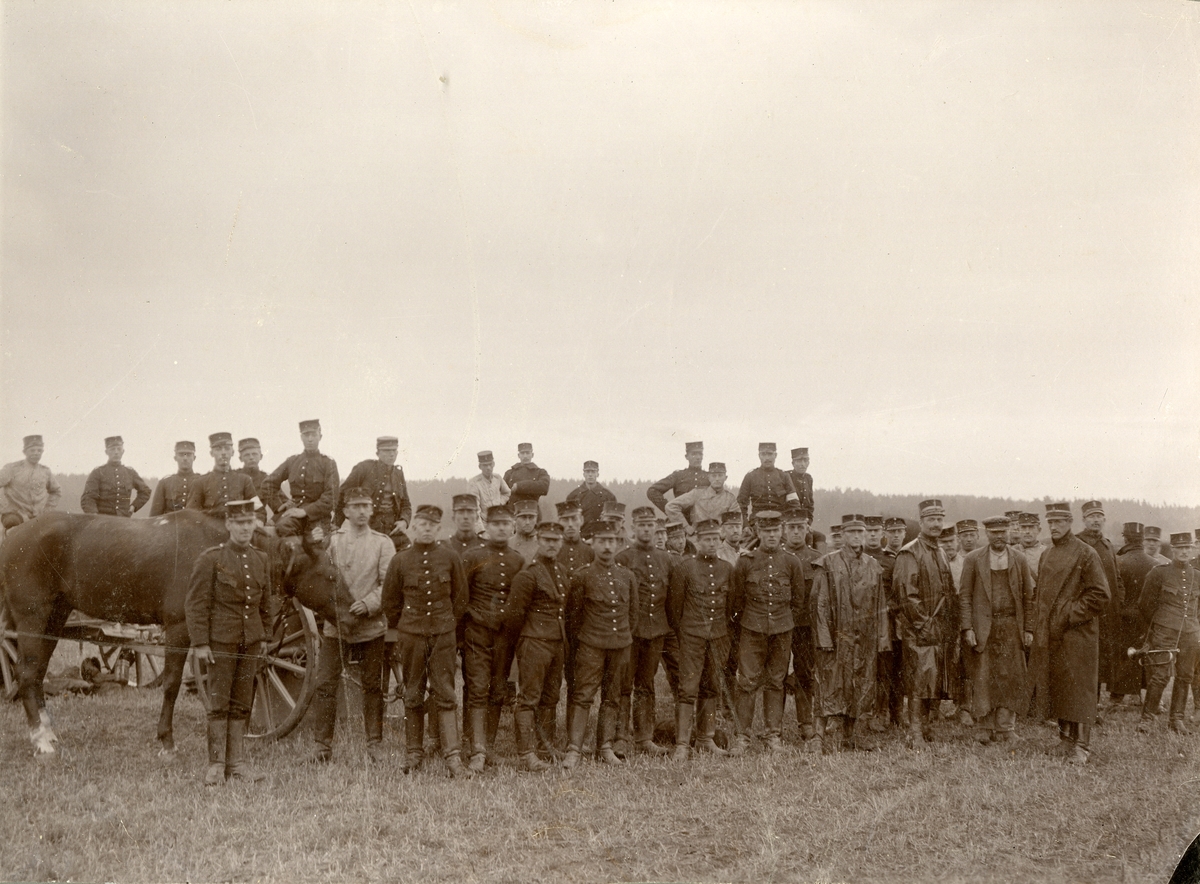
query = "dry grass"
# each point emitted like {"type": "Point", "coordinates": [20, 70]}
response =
{"type": "Point", "coordinates": [110, 809]}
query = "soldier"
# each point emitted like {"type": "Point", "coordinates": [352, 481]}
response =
{"type": "Point", "coordinates": [768, 594]}
{"type": "Point", "coordinates": [591, 495]}
{"type": "Point", "coordinates": [602, 608]}
{"type": "Point", "coordinates": [488, 647]}
{"type": "Point", "coordinates": [527, 481]}
{"type": "Point", "coordinates": [614, 511]}
{"type": "Point", "coordinates": [948, 543]}
{"type": "Point", "coordinates": [489, 489]}
{"type": "Point", "coordinates": [171, 492]}
{"type": "Point", "coordinates": [924, 588]}
{"type": "Point", "coordinates": [1134, 565]}
{"type": "Point", "coordinates": [537, 614]}
{"type": "Point", "coordinates": [681, 482]}
{"type": "Point", "coordinates": [835, 537]}
{"type": "Point", "coordinates": [874, 536]}
{"type": "Point", "coordinates": [996, 615]}
{"type": "Point", "coordinates": [362, 556]}
{"type": "Point", "coordinates": [731, 536]}
{"type": "Point", "coordinates": [710, 501]}
{"type": "Point", "coordinates": [424, 595]}
{"type": "Point", "coordinates": [108, 487]}
{"type": "Point", "coordinates": [250, 454]}
{"type": "Point", "coordinates": [1064, 662]}
{"type": "Point", "coordinates": [228, 619]}
{"type": "Point", "coordinates": [801, 479]}
{"type": "Point", "coordinates": [650, 629]}
{"type": "Point", "coordinates": [896, 530]}
{"type": "Point", "coordinates": [795, 540]}
{"type": "Point", "coordinates": [465, 512]}
{"type": "Point", "coordinates": [890, 694]}
{"type": "Point", "coordinates": [850, 631]}
{"type": "Point", "coordinates": [1014, 527]}
{"type": "Point", "coordinates": [312, 487]}
{"type": "Point", "coordinates": [677, 539]}
{"type": "Point", "coordinates": [660, 534]}
{"type": "Point", "coordinates": [222, 484]}
{"type": "Point", "coordinates": [391, 506]}
{"type": "Point", "coordinates": [1110, 625]}
{"type": "Point", "coordinates": [766, 487]}
{"type": "Point", "coordinates": [1152, 544]}
{"type": "Point", "coordinates": [575, 552]}
{"type": "Point", "coordinates": [1031, 547]}
{"type": "Point", "coordinates": [698, 609]}
{"type": "Point", "coordinates": [968, 535]}
{"type": "Point", "coordinates": [526, 539]}
{"type": "Point", "coordinates": [1168, 602]}
{"type": "Point", "coordinates": [27, 488]}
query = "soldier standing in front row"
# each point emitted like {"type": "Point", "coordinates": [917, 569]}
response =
{"type": "Point", "coordinates": [108, 487]}
{"type": "Point", "coordinates": [312, 481]}
{"type": "Point", "coordinates": [1169, 602]}
{"type": "Point", "coordinates": [171, 493]}
{"type": "Point", "coordinates": [27, 488]}
{"type": "Point", "coordinates": [228, 617]}
{"type": "Point", "coordinates": [391, 507]}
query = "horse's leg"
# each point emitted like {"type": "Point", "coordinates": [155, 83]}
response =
{"type": "Point", "coordinates": [35, 651]}
{"type": "Point", "coordinates": [176, 639]}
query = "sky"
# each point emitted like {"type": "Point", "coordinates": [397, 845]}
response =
{"type": "Point", "coordinates": [949, 247]}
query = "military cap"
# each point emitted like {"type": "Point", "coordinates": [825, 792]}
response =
{"type": "Point", "coordinates": [1183, 538]}
{"type": "Point", "coordinates": [1093, 506]}
{"type": "Point", "coordinates": [524, 446]}
{"type": "Point", "coordinates": [248, 442]}
{"type": "Point", "coordinates": [1032, 519]}
{"type": "Point", "coordinates": [766, 446]}
{"type": "Point", "coordinates": [730, 516]}
{"type": "Point", "coordinates": [949, 531]}
{"type": "Point", "coordinates": [996, 522]}
{"type": "Point", "coordinates": [1152, 532]}
{"type": "Point", "coordinates": [550, 529]}
{"type": "Point", "coordinates": [793, 514]}
{"type": "Point", "coordinates": [429, 512]}
{"type": "Point", "coordinates": [499, 513]}
{"type": "Point", "coordinates": [239, 510]}
{"type": "Point", "coordinates": [931, 507]}
{"type": "Point", "coordinates": [799, 452]}
{"type": "Point", "coordinates": [486, 457]}
{"type": "Point", "coordinates": [1061, 510]}
{"type": "Point", "coordinates": [835, 530]}
{"type": "Point", "coordinates": [643, 514]}
{"type": "Point", "coordinates": [605, 528]}
{"type": "Point", "coordinates": [387, 442]}
{"type": "Point", "coordinates": [1132, 529]}
{"type": "Point", "coordinates": [591, 465]}
{"type": "Point", "coordinates": [679, 526]}
{"type": "Point", "coordinates": [215, 439]}
{"type": "Point", "coordinates": [853, 520]}
{"type": "Point", "coordinates": [568, 508]}
{"type": "Point", "coordinates": [524, 507]}
{"type": "Point", "coordinates": [464, 502]}
{"type": "Point", "coordinates": [357, 495]}
{"type": "Point", "coordinates": [873, 521]}
{"type": "Point", "coordinates": [110, 441]}
{"type": "Point", "coordinates": [966, 526]}
{"type": "Point", "coordinates": [30, 441]}
{"type": "Point", "coordinates": [310, 425]}
{"type": "Point", "coordinates": [1012, 515]}
{"type": "Point", "coordinates": [894, 522]}
{"type": "Point", "coordinates": [185, 446]}
{"type": "Point", "coordinates": [689, 447]}
{"type": "Point", "coordinates": [716, 467]}
{"type": "Point", "coordinates": [768, 518]}
{"type": "Point", "coordinates": [661, 523]}
{"type": "Point", "coordinates": [612, 509]}
{"type": "Point", "coordinates": [705, 526]}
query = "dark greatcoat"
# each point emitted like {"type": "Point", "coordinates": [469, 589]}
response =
{"type": "Point", "coordinates": [850, 631]}
{"type": "Point", "coordinates": [1072, 591]}
{"type": "Point", "coordinates": [1133, 566]}
{"type": "Point", "coordinates": [1110, 616]}
{"type": "Point", "coordinates": [922, 585]}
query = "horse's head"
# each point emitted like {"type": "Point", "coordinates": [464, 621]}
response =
{"type": "Point", "coordinates": [308, 573]}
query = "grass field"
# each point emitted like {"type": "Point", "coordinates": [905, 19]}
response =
{"type": "Point", "coordinates": [110, 809]}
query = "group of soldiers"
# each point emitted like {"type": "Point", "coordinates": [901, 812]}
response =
{"type": "Point", "coordinates": [733, 596]}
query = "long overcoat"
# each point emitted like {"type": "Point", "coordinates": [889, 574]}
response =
{"type": "Point", "coordinates": [927, 619]}
{"type": "Point", "coordinates": [849, 613]}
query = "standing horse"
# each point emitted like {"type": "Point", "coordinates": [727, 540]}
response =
{"type": "Point", "coordinates": [131, 571]}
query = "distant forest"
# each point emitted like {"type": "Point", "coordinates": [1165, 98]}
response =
{"type": "Point", "coordinates": [831, 503]}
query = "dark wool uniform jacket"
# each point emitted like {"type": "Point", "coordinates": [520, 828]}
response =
{"type": "Point", "coordinates": [490, 572]}
{"type": "Point", "coordinates": [213, 490]}
{"type": "Point", "coordinates": [313, 483]}
{"type": "Point", "coordinates": [678, 483]}
{"type": "Point", "coordinates": [574, 556]}
{"type": "Point", "coordinates": [171, 493]}
{"type": "Point", "coordinates": [765, 489]}
{"type": "Point", "coordinates": [701, 591]}
{"type": "Point", "coordinates": [1169, 597]}
{"type": "Point", "coordinates": [257, 476]}
{"type": "Point", "coordinates": [538, 602]}
{"type": "Point", "coordinates": [768, 591]}
{"type": "Point", "coordinates": [526, 481]}
{"type": "Point", "coordinates": [653, 569]}
{"type": "Point", "coordinates": [591, 500]}
{"type": "Point", "coordinates": [229, 595]}
{"type": "Point", "coordinates": [602, 606]}
{"type": "Point", "coordinates": [424, 590]}
{"type": "Point", "coordinates": [388, 490]}
{"type": "Point", "coordinates": [107, 491]}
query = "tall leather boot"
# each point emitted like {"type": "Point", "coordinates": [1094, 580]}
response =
{"type": "Point", "coordinates": [323, 714]}
{"type": "Point", "coordinates": [643, 726]}
{"type": "Point", "coordinates": [577, 719]}
{"type": "Point", "coordinates": [1083, 738]}
{"type": "Point", "coordinates": [547, 720]}
{"type": "Point", "coordinates": [916, 723]}
{"type": "Point", "coordinates": [218, 734]}
{"type": "Point", "coordinates": [1179, 697]}
{"type": "Point", "coordinates": [707, 727]}
{"type": "Point", "coordinates": [373, 725]}
{"type": "Point", "coordinates": [773, 717]}
{"type": "Point", "coordinates": [684, 715]}
{"type": "Point", "coordinates": [831, 735]}
{"type": "Point", "coordinates": [478, 718]}
{"type": "Point", "coordinates": [621, 732]}
{"type": "Point", "coordinates": [448, 729]}
{"type": "Point", "coordinates": [527, 740]}
{"type": "Point", "coordinates": [236, 765]}
{"type": "Point", "coordinates": [606, 729]}
{"type": "Point", "coordinates": [493, 728]}
{"type": "Point", "coordinates": [414, 739]}
{"type": "Point", "coordinates": [804, 713]}
{"type": "Point", "coordinates": [744, 712]}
